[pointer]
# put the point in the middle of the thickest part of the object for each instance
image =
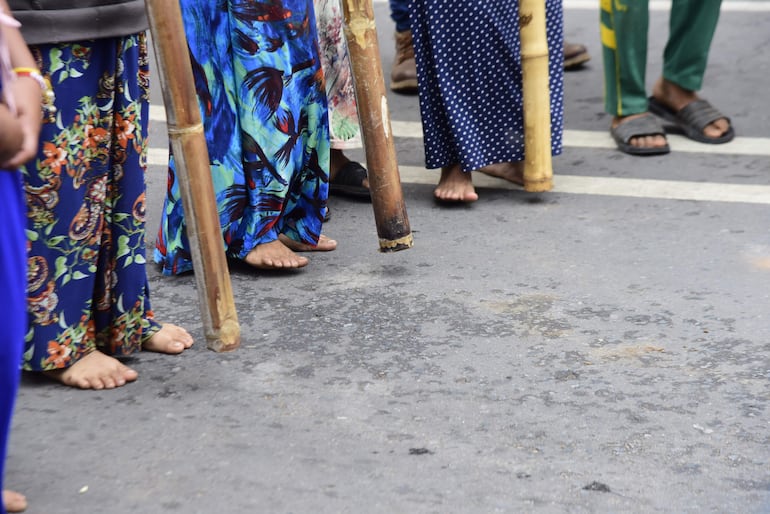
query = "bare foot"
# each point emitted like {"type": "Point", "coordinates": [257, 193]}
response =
{"type": "Point", "coordinates": [676, 98]}
{"type": "Point", "coordinates": [275, 255]}
{"type": "Point", "coordinates": [650, 141]}
{"type": "Point", "coordinates": [13, 501]}
{"type": "Point", "coordinates": [94, 371]}
{"type": "Point", "coordinates": [325, 244]}
{"type": "Point", "coordinates": [455, 186]}
{"type": "Point", "coordinates": [510, 171]}
{"type": "Point", "coordinates": [170, 338]}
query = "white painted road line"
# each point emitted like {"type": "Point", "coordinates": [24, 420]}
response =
{"type": "Point", "coordinates": [657, 5]}
{"type": "Point", "coordinates": [759, 146]}
{"type": "Point", "coordinates": [602, 139]}
{"type": "Point", "coordinates": [661, 5]}
{"type": "Point", "coordinates": [626, 187]}
{"type": "Point", "coordinates": [607, 186]}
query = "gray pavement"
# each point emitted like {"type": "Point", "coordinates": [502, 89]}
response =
{"type": "Point", "coordinates": [562, 352]}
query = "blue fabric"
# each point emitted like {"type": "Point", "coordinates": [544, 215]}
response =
{"type": "Point", "coordinates": [262, 99]}
{"type": "Point", "coordinates": [13, 274]}
{"type": "Point", "coordinates": [470, 80]}
{"type": "Point", "coordinates": [399, 13]}
{"type": "Point", "coordinates": [86, 205]}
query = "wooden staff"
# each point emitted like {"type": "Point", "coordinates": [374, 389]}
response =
{"type": "Point", "coordinates": [188, 142]}
{"type": "Point", "coordinates": [538, 169]}
{"type": "Point", "coordinates": [374, 117]}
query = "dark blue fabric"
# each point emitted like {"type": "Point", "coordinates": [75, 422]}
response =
{"type": "Point", "coordinates": [470, 80]}
{"type": "Point", "coordinates": [399, 12]}
{"type": "Point", "coordinates": [87, 285]}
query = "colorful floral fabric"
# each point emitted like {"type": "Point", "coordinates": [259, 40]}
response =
{"type": "Point", "coordinates": [335, 59]}
{"type": "Point", "coordinates": [260, 89]}
{"type": "Point", "coordinates": [87, 282]}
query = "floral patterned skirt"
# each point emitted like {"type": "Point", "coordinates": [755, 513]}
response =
{"type": "Point", "coordinates": [87, 282]}
{"type": "Point", "coordinates": [335, 59]}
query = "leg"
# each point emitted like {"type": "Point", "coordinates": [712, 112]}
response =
{"type": "Point", "coordinates": [344, 131]}
{"type": "Point", "coordinates": [403, 73]}
{"type": "Point", "coordinates": [692, 28]}
{"type": "Point", "coordinates": [100, 285]}
{"type": "Point", "coordinates": [346, 177]}
{"type": "Point", "coordinates": [12, 302]}
{"type": "Point", "coordinates": [399, 13]}
{"type": "Point", "coordinates": [624, 51]}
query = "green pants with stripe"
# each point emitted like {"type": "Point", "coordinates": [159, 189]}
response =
{"type": "Point", "coordinates": [624, 27]}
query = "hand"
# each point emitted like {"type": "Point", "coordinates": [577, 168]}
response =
{"type": "Point", "coordinates": [27, 94]}
{"type": "Point", "coordinates": [11, 137]}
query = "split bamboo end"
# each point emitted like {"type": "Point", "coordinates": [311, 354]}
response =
{"type": "Point", "coordinates": [227, 339]}
{"type": "Point", "coordinates": [395, 245]}
{"type": "Point", "coordinates": [538, 186]}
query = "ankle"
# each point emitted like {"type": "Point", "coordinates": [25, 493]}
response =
{"type": "Point", "coordinates": [404, 46]}
{"type": "Point", "coordinates": [337, 160]}
{"type": "Point", "coordinates": [672, 94]}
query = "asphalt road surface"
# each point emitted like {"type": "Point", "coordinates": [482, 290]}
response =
{"type": "Point", "coordinates": [604, 347]}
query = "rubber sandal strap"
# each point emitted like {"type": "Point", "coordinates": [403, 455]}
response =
{"type": "Point", "coordinates": [351, 174]}
{"type": "Point", "coordinates": [646, 125]}
{"type": "Point", "coordinates": [699, 114]}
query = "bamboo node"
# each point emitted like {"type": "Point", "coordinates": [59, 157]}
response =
{"type": "Point", "coordinates": [192, 129]}
{"type": "Point", "coordinates": [359, 25]}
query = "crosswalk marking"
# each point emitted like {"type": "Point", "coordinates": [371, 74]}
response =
{"type": "Point", "coordinates": [591, 185]}
{"type": "Point", "coordinates": [658, 5]}
{"type": "Point", "coordinates": [613, 186]}
{"type": "Point", "coordinates": [759, 146]}
{"type": "Point", "coordinates": [661, 5]}
{"type": "Point", "coordinates": [602, 139]}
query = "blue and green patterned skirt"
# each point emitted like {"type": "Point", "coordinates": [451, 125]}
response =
{"type": "Point", "coordinates": [87, 282]}
{"type": "Point", "coordinates": [261, 93]}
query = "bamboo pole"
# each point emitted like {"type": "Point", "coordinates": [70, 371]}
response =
{"type": "Point", "coordinates": [384, 182]}
{"type": "Point", "coordinates": [188, 143]}
{"type": "Point", "coordinates": [538, 168]}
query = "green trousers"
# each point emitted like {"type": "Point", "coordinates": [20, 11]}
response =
{"type": "Point", "coordinates": [624, 27]}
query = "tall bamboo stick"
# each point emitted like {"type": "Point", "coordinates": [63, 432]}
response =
{"type": "Point", "coordinates": [538, 169]}
{"type": "Point", "coordinates": [188, 142]}
{"type": "Point", "coordinates": [384, 181]}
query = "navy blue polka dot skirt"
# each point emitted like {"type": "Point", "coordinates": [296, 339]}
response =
{"type": "Point", "coordinates": [469, 74]}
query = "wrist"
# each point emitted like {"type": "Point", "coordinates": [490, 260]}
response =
{"type": "Point", "coordinates": [47, 94]}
